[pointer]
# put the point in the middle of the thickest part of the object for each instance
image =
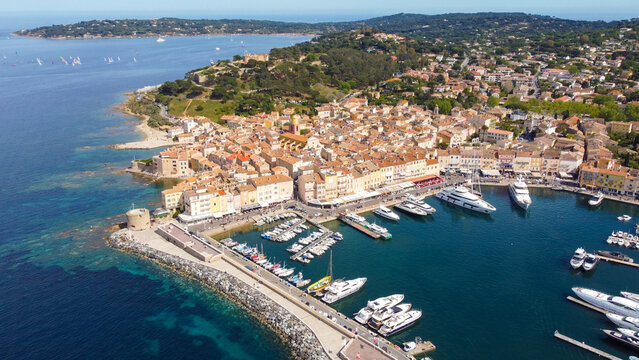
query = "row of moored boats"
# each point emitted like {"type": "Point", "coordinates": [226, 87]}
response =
{"type": "Point", "coordinates": [285, 231]}
{"type": "Point", "coordinates": [624, 239]}
{"type": "Point", "coordinates": [270, 219]}
{"type": "Point", "coordinates": [387, 315]}
{"type": "Point", "coordinates": [622, 310]}
{"type": "Point", "coordinates": [378, 229]}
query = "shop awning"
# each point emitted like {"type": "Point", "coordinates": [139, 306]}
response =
{"type": "Point", "coordinates": [490, 173]}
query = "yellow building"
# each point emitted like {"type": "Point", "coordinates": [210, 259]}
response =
{"type": "Point", "coordinates": [604, 179]}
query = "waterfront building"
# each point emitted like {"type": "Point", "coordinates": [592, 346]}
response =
{"type": "Point", "coordinates": [272, 188]}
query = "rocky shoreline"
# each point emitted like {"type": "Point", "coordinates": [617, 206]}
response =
{"type": "Point", "coordinates": [299, 337]}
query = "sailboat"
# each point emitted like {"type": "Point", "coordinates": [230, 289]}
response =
{"type": "Point", "coordinates": [39, 61]}
{"type": "Point", "coordinates": [326, 280]}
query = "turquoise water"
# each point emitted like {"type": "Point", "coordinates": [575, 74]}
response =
{"type": "Point", "coordinates": [490, 287]}
{"type": "Point", "coordinates": [63, 294]}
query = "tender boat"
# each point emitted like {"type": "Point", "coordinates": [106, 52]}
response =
{"type": "Point", "coordinates": [624, 218]}
{"type": "Point", "coordinates": [590, 262]}
{"type": "Point", "coordinates": [578, 258]}
{"type": "Point", "coordinates": [464, 198]}
{"type": "Point", "coordinates": [341, 289]}
{"type": "Point", "coordinates": [387, 213]}
{"type": "Point", "coordinates": [627, 322]}
{"type": "Point", "coordinates": [380, 316]}
{"type": "Point", "coordinates": [596, 199]}
{"type": "Point", "coordinates": [160, 40]}
{"type": "Point", "coordinates": [631, 296]}
{"type": "Point", "coordinates": [519, 193]}
{"type": "Point", "coordinates": [628, 340]}
{"type": "Point", "coordinates": [615, 304]}
{"type": "Point", "coordinates": [320, 284]}
{"type": "Point", "coordinates": [411, 208]}
{"type": "Point", "coordinates": [399, 322]}
{"type": "Point", "coordinates": [615, 255]}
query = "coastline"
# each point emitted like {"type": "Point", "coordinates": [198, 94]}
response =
{"type": "Point", "coordinates": [94, 37]}
{"type": "Point", "coordinates": [153, 138]}
{"type": "Point", "coordinates": [296, 335]}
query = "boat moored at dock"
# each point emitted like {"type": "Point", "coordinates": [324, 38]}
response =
{"type": "Point", "coordinates": [631, 296]}
{"type": "Point", "coordinates": [627, 322]}
{"type": "Point", "coordinates": [615, 255]}
{"type": "Point", "coordinates": [631, 341]}
{"type": "Point", "coordinates": [399, 322]}
{"type": "Point", "coordinates": [409, 207]}
{"type": "Point", "coordinates": [519, 193]}
{"type": "Point", "coordinates": [596, 199]}
{"type": "Point", "coordinates": [341, 289]}
{"type": "Point", "coordinates": [578, 258]}
{"type": "Point", "coordinates": [463, 197]}
{"type": "Point", "coordinates": [615, 304]}
{"type": "Point", "coordinates": [590, 262]}
{"type": "Point", "coordinates": [385, 212]}
{"type": "Point", "coordinates": [380, 316]}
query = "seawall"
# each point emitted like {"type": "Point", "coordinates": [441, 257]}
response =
{"type": "Point", "coordinates": [299, 337]}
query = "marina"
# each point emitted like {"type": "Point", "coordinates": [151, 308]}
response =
{"type": "Point", "coordinates": [373, 230]}
{"type": "Point", "coordinates": [585, 346]}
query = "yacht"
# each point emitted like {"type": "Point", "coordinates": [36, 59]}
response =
{"type": "Point", "coordinates": [615, 255]}
{"type": "Point", "coordinates": [596, 199]}
{"type": "Point", "coordinates": [380, 316]}
{"type": "Point", "coordinates": [341, 289]}
{"type": "Point", "coordinates": [399, 322]}
{"type": "Point", "coordinates": [621, 337]}
{"type": "Point", "coordinates": [615, 304]}
{"type": "Point", "coordinates": [387, 213]}
{"type": "Point", "coordinates": [420, 203]}
{"type": "Point", "coordinates": [363, 315]}
{"type": "Point", "coordinates": [578, 258]}
{"type": "Point", "coordinates": [463, 197]}
{"type": "Point", "coordinates": [519, 193]}
{"type": "Point", "coordinates": [631, 296]}
{"type": "Point", "coordinates": [629, 332]}
{"type": "Point", "coordinates": [411, 208]}
{"type": "Point", "coordinates": [627, 322]}
{"type": "Point", "coordinates": [590, 262]}
{"type": "Point", "coordinates": [385, 302]}
{"type": "Point", "coordinates": [160, 40]}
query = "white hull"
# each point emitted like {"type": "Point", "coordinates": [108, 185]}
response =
{"type": "Point", "coordinates": [411, 209]}
{"type": "Point", "coordinates": [473, 202]}
{"type": "Point", "coordinates": [351, 287]}
{"type": "Point", "coordinates": [393, 326]}
{"type": "Point", "coordinates": [386, 213]}
{"type": "Point", "coordinates": [624, 321]}
{"type": "Point", "coordinates": [523, 201]}
{"type": "Point", "coordinates": [613, 304]}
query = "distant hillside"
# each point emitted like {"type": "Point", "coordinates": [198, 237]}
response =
{"type": "Point", "coordinates": [445, 26]}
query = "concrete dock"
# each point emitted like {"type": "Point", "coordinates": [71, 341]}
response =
{"type": "Point", "coordinates": [422, 348]}
{"type": "Point", "coordinates": [359, 227]}
{"type": "Point", "coordinates": [585, 346]}
{"type": "Point", "coordinates": [315, 242]}
{"type": "Point", "coordinates": [297, 222]}
{"type": "Point", "coordinates": [585, 304]}
{"type": "Point", "coordinates": [609, 259]}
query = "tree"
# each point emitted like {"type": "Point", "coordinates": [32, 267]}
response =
{"type": "Point", "coordinates": [493, 101]}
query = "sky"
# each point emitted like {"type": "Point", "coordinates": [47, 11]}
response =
{"type": "Point", "coordinates": [324, 10]}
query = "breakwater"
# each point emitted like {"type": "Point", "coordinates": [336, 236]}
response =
{"type": "Point", "coordinates": [290, 329]}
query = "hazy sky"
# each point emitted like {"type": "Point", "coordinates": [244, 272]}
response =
{"type": "Point", "coordinates": [323, 9]}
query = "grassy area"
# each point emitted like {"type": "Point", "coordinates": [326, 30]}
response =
{"type": "Point", "coordinates": [208, 108]}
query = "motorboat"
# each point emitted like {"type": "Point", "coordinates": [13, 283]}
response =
{"type": "Point", "coordinates": [627, 322]}
{"type": "Point", "coordinates": [320, 284]}
{"type": "Point", "coordinates": [341, 289]}
{"type": "Point", "coordinates": [363, 315]}
{"type": "Point", "coordinates": [385, 302]}
{"type": "Point", "coordinates": [596, 199]}
{"type": "Point", "coordinates": [623, 338]}
{"type": "Point", "coordinates": [160, 40]}
{"type": "Point", "coordinates": [578, 258]}
{"type": "Point", "coordinates": [615, 255]}
{"type": "Point", "coordinates": [590, 262]}
{"type": "Point", "coordinates": [615, 304]}
{"type": "Point", "coordinates": [387, 213]}
{"type": "Point", "coordinates": [399, 322]}
{"type": "Point", "coordinates": [629, 332]}
{"type": "Point", "coordinates": [631, 296]}
{"type": "Point", "coordinates": [624, 218]}
{"type": "Point", "coordinates": [519, 193]}
{"type": "Point", "coordinates": [463, 197]}
{"type": "Point", "coordinates": [380, 316]}
{"type": "Point", "coordinates": [411, 208]}
{"type": "Point", "coordinates": [420, 203]}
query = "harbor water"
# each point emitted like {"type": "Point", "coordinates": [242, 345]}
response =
{"type": "Point", "coordinates": [490, 287]}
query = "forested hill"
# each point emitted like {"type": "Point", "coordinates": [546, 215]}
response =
{"type": "Point", "coordinates": [445, 27]}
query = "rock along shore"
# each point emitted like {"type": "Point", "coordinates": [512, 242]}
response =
{"type": "Point", "coordinates": [298, 336]}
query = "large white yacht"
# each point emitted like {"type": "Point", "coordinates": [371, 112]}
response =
{"type": "Point", "coordinates": [387, 213]}
{"type": "Point", "coordinates": [380, 316]}
{"type": "Point", "coordinates": [519, 193]}
{"type": "Point", "coordinates": [385, 302]}
{"type": "Point", "coordinates": [627, 322]}
{"type": "Point", "coordinates": [341, 289]}
{"type": "Point", "coordinates": [463, 197]}
{"type": "Point", "coordinates": [420, 203]}
{"type": "Point", "coordinates": [399, 322]}
{"type": "Point", "coordinates": [615, 304]}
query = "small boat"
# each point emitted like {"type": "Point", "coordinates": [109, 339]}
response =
{"type": "Point", "coordinates": [387, 213]}
{"type": "Point", "coordinates": [624, 218]}
{"type": "Point", "coordinates": [578, 258]}
{"type": "Point", "coordinates": [615, 255]}
{"type": "Point", "coordinates": [590, 262]}
{"type": "Point", "coordinates": [596, 199]}
{"type": "Point", "coordinates": [217, 49]}
{"type": "Point", "coordinates": [623, 338]}
{"type": "Point", "coordinates": [302, 283]}
{"type": "Point", "coordinates": [160, 40]}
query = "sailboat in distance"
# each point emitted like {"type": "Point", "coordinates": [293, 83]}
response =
{"type": "Point", "coordinates": [325, 281]}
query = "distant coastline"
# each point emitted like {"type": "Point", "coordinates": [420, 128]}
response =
{"type": "Point", "coordinates": [93, 37]}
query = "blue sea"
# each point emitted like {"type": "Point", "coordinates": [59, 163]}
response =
{"type": "Point", "coordinates": [63, 294]}
{"type": "Point", "coordinates": [490, 287]}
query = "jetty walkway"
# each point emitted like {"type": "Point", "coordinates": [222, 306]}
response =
{"type": "Point", "coordinates": [314, 243]}
{"type": "Point", "coordinates": [585, 346]}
